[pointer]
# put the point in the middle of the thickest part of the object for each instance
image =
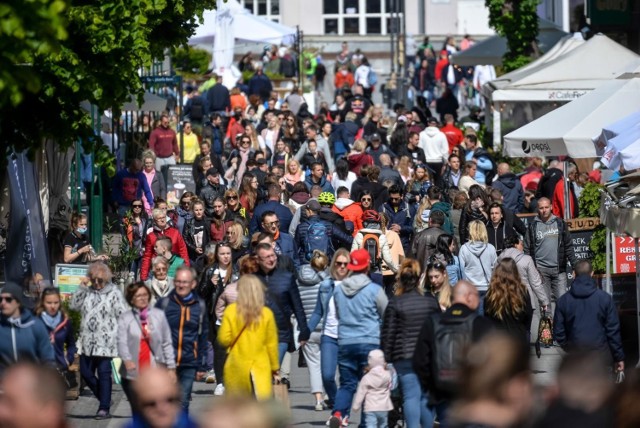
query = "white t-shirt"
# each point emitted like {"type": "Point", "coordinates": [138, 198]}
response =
{"type": "Point", "coordinates": [331, 323]}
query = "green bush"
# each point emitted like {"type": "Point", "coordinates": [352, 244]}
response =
{"type": "Point", "coordinates": [589, 206]}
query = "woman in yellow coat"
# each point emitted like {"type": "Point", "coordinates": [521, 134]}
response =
{"type": "Point", "coordinates": [249, 333]}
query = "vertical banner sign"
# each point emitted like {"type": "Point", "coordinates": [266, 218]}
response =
{"type": "Point", "coordinates": [179, 180]}
{"type": "Point", "coordinates": [27, 252]}
{"type": "Point", "coordinates": [624, 254]}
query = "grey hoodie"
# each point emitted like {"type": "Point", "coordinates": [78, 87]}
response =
{"type": "Point", "coordinates": [360, 305]}
{"type": "Point", "coordinates": [528, 273]}
{"type": "Point", "coordinates": [476, 263]}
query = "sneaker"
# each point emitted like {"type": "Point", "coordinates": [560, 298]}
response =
{"type": "Point", "coordinates": [210, 377]}
{"type": "Point", "coordinates": [102, 414]}
{"type": "Point", "coordinates": [345, 421]}
{"type": "Point", "coordinates": [319, 406]}
{"type": "Point", "coordinates": [219, 389]}
{"type": "Point", "coordinates": [335, 421]}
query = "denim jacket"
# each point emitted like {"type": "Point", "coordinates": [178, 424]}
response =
{"type": "Point", "coordinates": [322, 304]}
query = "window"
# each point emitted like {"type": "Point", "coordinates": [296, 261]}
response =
{"type": "Point", "coordinates": [356, 16]}
{"type": "Point", "coordinates": [269, 9]}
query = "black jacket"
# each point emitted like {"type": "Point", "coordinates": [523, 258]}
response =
{"type": "Point", "coordinates": [587, 317]}
{"type": "Point", "coordinates": [422, 357]}
{"type": "Point", "coordinates": [517, 325]}
{"type": "Point", "coordinates": [424, 244]}
{"type": "Point", "coordinates": [565, 247]}
{"type": "Point", "coordinates": [403, 319]}
{"type": "Point", "coordinates": [188, 236]}
{"type": "Point", "coordinates": [283, 298]}
{"type": "Point", "coordinates": [498, 234]}
{"type": "Point", "coordinates": [467, 217]}
{"type": "Point", "coordinates": [547, 184]}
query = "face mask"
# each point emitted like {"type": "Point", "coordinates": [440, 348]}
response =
{"type": "Point", "coordinates": [344, 72]}
{"type": "Point", "coordinates": [81, 230]}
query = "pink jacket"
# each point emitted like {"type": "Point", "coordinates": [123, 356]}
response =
{"type": "Point", "coordinates": [375, 391]}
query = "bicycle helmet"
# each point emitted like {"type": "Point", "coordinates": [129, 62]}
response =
{"type": "Point", "coordinates": [326, 198]}
{"type": "Point", "coordinates": [371, 216]}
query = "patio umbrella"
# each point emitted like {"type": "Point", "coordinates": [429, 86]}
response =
{"type": "Point", "coordinates": [570, 129]}
{"type": "Point", "coordinates": [615, 129]}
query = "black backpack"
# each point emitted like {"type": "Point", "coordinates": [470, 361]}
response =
{"type": "Point", "coordinates": [451, 338]}
{"type": "Point", "coordinates": [197, 108]}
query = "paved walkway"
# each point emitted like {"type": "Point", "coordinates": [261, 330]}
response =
{"type": "Point", "coordinates": [81, 411]}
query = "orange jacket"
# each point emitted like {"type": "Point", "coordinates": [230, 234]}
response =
{"type": "Point", "coordinates": [340, 79]}
{"type": "Point", "coordinates": [349, 211]}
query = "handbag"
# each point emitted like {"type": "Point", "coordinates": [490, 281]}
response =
{"type": "Point", "coordinates": [545, 333]}
{"type": "Point", "coordinates": [302, 360]}
{"type": "Point", "coordinates": [281, 395]}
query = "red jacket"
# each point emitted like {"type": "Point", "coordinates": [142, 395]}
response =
{"type": "Point", "coordinates": [357, 161]}
{"type": "Point", "coordinates": [557, 204]}
{"type": "Point", "coordinates": [179, 248]}
{"type": "Point", "coordinates": [454, 135]}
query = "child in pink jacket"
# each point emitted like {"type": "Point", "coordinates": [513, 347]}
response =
{"type": "Point", "coordinates": [375, 391]}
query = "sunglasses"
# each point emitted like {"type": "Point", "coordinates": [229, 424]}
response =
{"type": "Point", "coordinates": [229, 198]}
{"type": "Point", "coordinates": [136, 206]}
{"type": "Point", "coordinates": [365, 200]}
{"type": "Point", "coordinates": [99, 280]}
{"type": "Point", "coordinates": [436, 265]}
{"type": "Point", "coordinates": [164, 400]}
{"type": "Point", "coordinates": [342, 264]}
{"type": "Point", "coordinates": [7, 299]}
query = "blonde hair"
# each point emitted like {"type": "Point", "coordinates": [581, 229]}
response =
{"type": "Point", "coordinates": [478, 231]}
{"type": "Point", "coordinates": [446, 291]}
{"type": "Point", "coordinates": [360, 145]}
{"type": "Point", "coordinates": [424, 204]}
{"type": "Point", "coordinates": [296, 162]}
{"type": "Point", "coordinates": [237, 227]}
{"type": "Point", "coordinates": [319, 261]}
{"type": "Point", "coordinates": [250, 299]}
{"type": "Point", "coordinates": [148, 154]}
{"type": "Point", "coordinates": [340, 252]}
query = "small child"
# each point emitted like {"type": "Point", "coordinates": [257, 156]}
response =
{"type": "Point", "coordinates": [60, 331]}
{"type": "Point", "coordinates": [375, 391]}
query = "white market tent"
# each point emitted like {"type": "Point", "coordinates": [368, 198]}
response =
{"type": "Point", "coordinates": [245, 26]}
{"type": "Point", "coordinates": [572, 128]}
{"type": "Point", "coordinates": [539, 89]}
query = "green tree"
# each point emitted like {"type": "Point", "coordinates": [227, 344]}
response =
{"type": "Point", "coordinates": [92, 50]}
{"type": "Point", "coordinates": [189, 61]}
{"type": "Point", "coordinates": [517, 21]}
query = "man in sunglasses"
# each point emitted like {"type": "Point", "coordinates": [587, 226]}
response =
{"type": "Point", "coordinates": [273, 204]}
{"type": "Point", "coordinates": [22, 335]}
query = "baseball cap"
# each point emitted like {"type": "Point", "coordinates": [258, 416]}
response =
{"type": "Point", "coordinates": [359, 260]}
{"type": "Point", "coordinates": [313, 205]}
{"type": "Point", "coordinates": [375, 137]}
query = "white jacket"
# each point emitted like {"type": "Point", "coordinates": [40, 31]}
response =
{"type": "Point", "coordinates": [435, 145]}
{"type": "Point", "coordinates": [385, 252]}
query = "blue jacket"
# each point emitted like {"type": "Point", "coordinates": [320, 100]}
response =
{"type": "Point", "coordinates": [326, 186]}
{"type": "Point", "coordinates": [189, 328]}
{"type": "Point", "coordinates": [283, 213]}
{"type": "Point", "coordinates": [288, 248]}
{"type": "Point", "coordinates": [360, 304]}
{"type": "Point", "coordinates": [60, 337]}
{"type": "Point", "coordinates": [586, 317]}
{"type": "Point", "coordinates": [322, 304]}
{"type": "Point", "coordinates": [403, 217]}
{"type": "Point", "coordinates": [24, 339]}
{"type": "Point", "coordinates": [283, 298]}
{"type": "Point", "coordinates": [136, 183]}
{"type": "Point", "coordinates": [512, 191]}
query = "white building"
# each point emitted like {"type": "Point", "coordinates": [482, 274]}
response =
{"type": "Point", "coordinates": [372, 17]}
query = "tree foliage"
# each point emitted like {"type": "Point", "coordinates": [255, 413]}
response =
{"type": "Point", "coordinates": [589, 205]}
{"type": "Point", "coordinates": [189, 61]}
{"type": "Point", "coordinates": [517, 21]}
{"type": "Point", "coordinates": [58, 53]}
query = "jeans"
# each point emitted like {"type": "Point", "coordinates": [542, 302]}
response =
{"type": "Point", "coordinates": [328, 364]}
{"type": "Point", "coordinates": [100, 385]}
{"type": "Point", "coordinates": [414, 399]}
{"type": "Point", "coordinates": [352, 359]}
{"type": "Point", "coordinates": [312, 354]}
{"type": "Point", "coordinates": [282, 349]}
{"type": "Point", "coordinates": [555, 285]}
{"type": "Point", "coordinates": [186, 377]}
{"type": "Point", "coordinates": [375, 419]}
{"type": "Point", "coordinates": [482, 294]}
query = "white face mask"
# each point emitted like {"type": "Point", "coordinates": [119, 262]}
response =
{"type": "Point", "coordinates": [344, 72]}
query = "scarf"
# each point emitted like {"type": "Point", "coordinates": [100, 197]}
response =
{"type": "Point", "coordinates": [51, 321]}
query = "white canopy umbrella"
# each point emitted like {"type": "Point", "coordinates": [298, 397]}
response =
{"type": "Point", "coordinates": [623, 150]}
{"type": "Point", "coordinates": [571, 129]}
{"type": "Point", "coordinates": [615, 129]}
{"type": "Point", "coordinates": [246, 27]}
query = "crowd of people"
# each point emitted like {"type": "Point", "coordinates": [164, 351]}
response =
{"type": "Point", "coordinates": [381, 251]}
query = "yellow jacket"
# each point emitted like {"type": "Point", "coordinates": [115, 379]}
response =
{"type": "Point", "coordinates": [253, 358]}
{"type": "Point", "coordinates": [191, 147]}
